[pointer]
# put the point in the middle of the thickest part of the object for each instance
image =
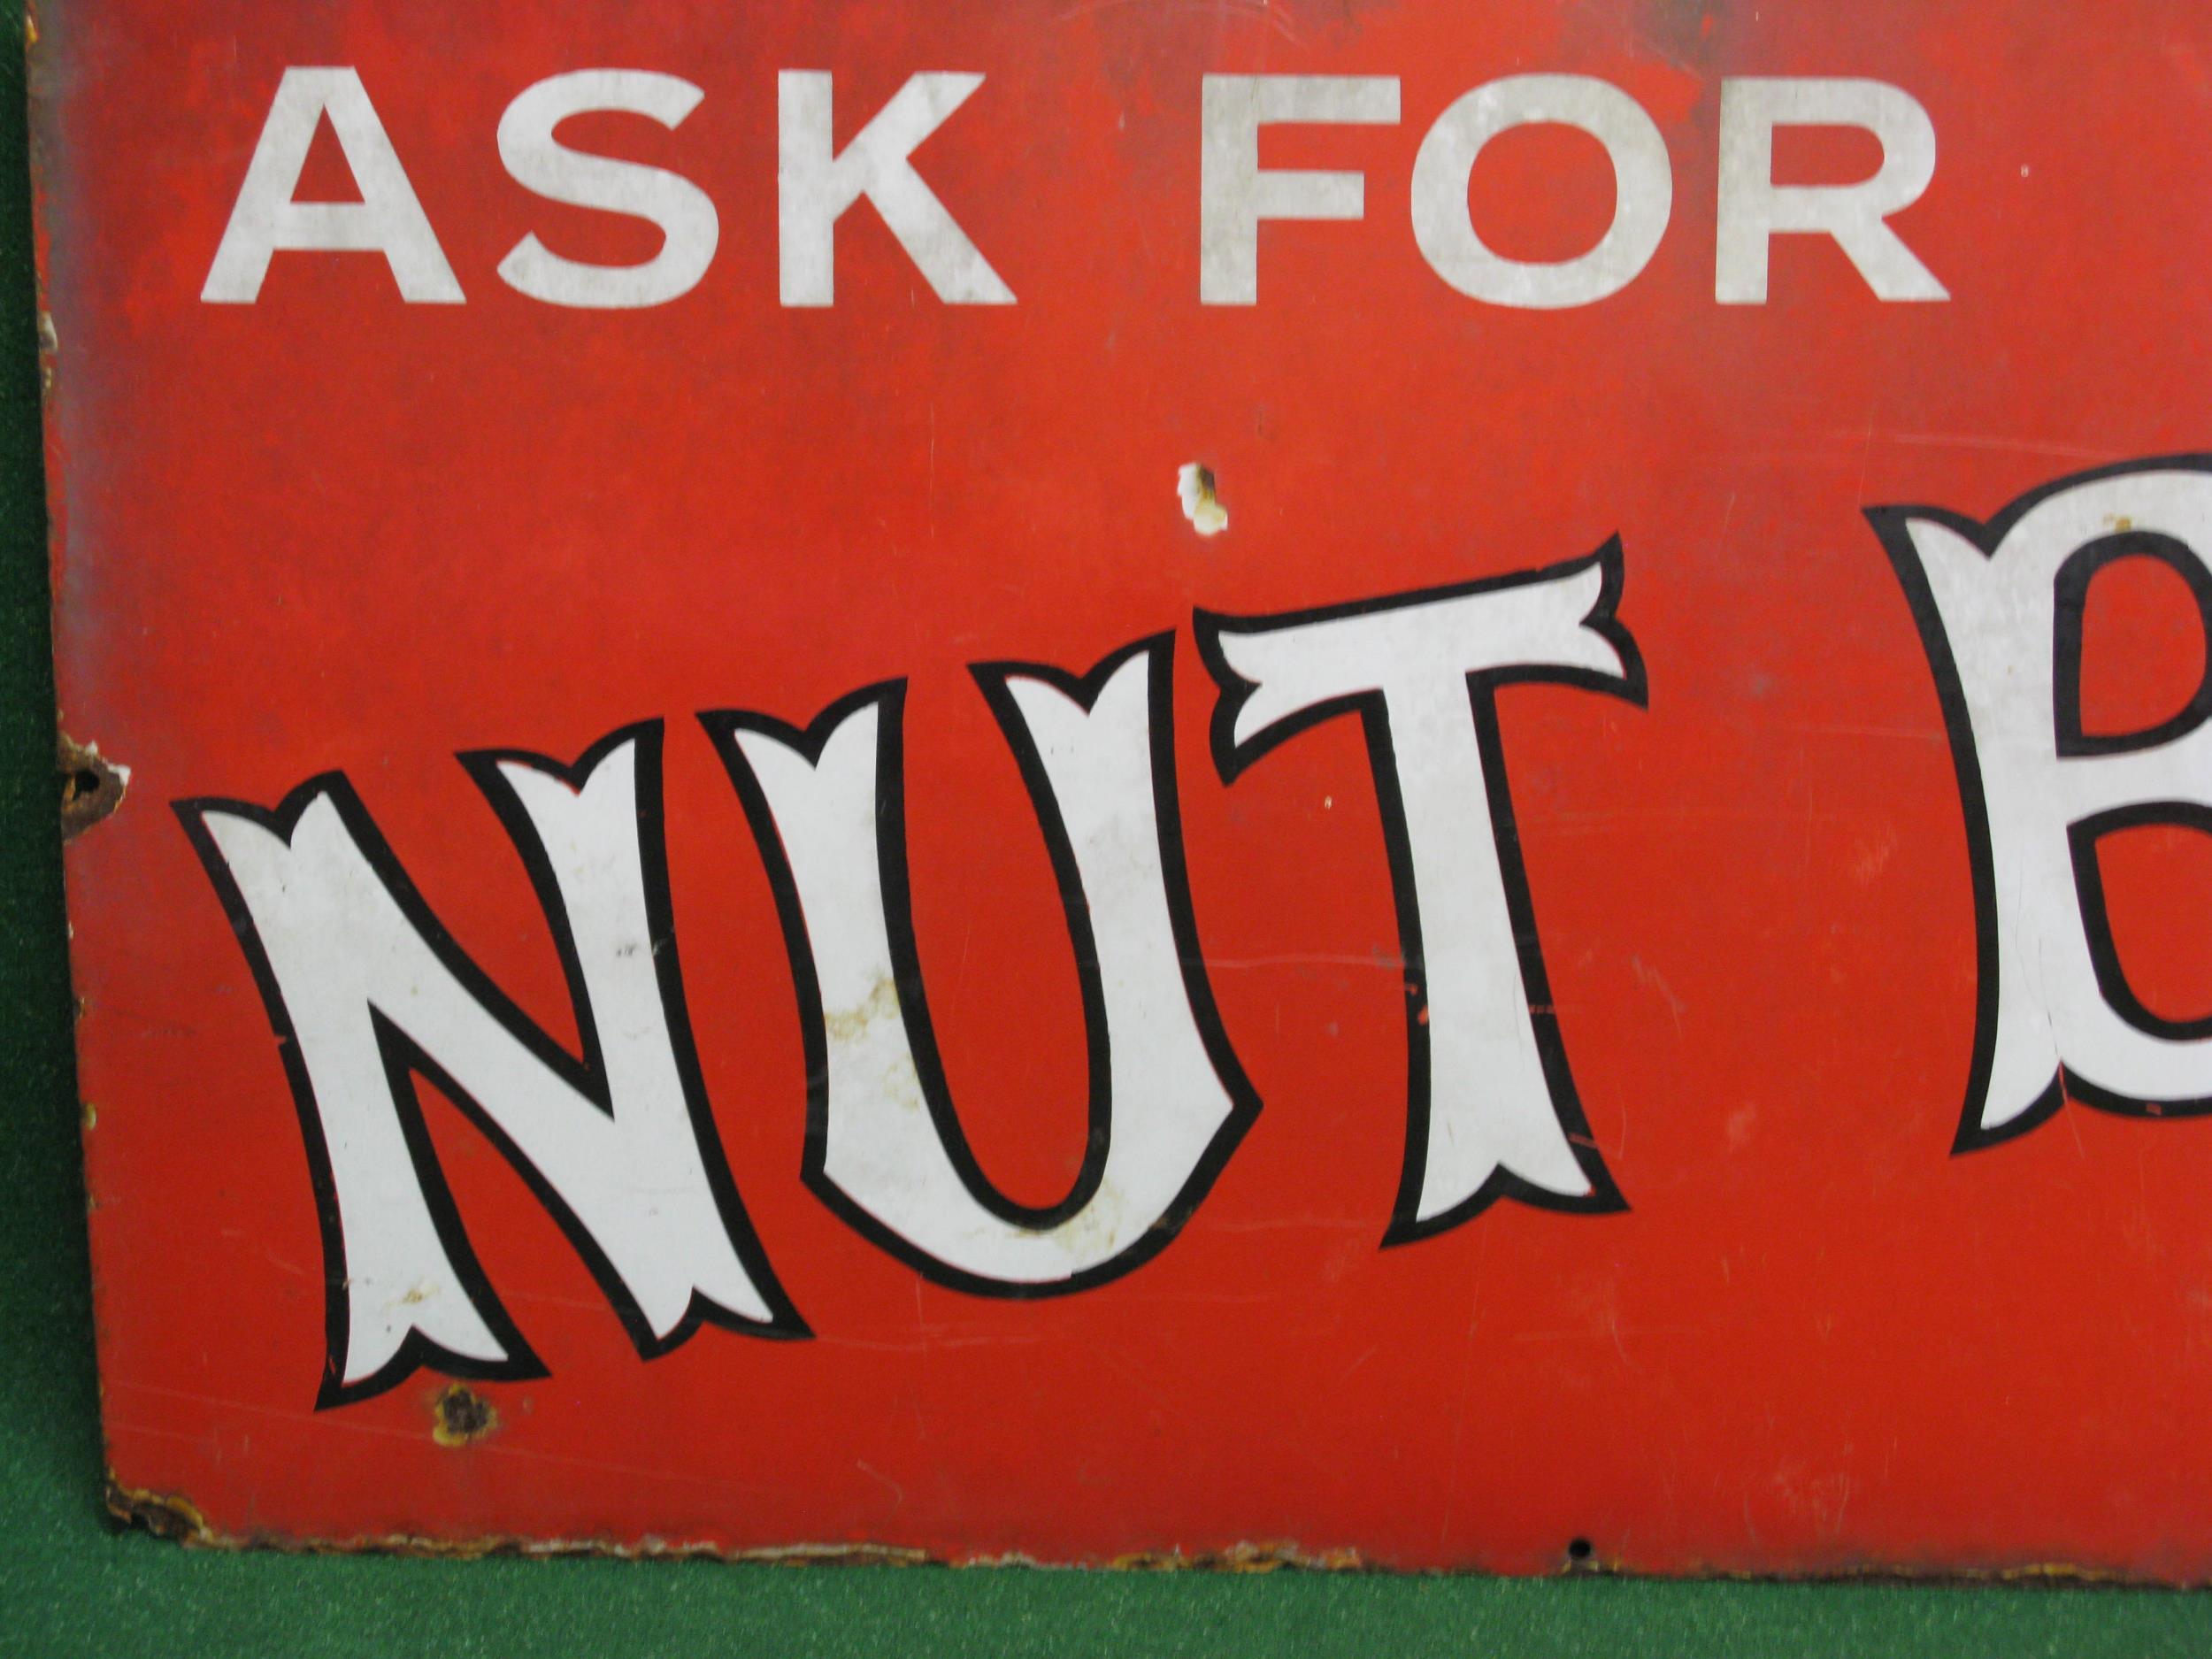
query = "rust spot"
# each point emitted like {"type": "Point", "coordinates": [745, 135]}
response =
{"type": "Point", "coordinates": [851, 1025]}
{"type": "Point", "coordinates": [163, 1514]}
{"type": "Point", "coordinates": [92, 786]}
{"type": "Point", "coordinates": [1247, 1557]}
{"type": "Point", "coordinates": [169, 1516]}
{"type": "Point", "coordinates": [424, 1549]}
{"type": "Point", "coordinates": [461, 1416]}
{"type": "Point", "coordinates": [831, 1556]}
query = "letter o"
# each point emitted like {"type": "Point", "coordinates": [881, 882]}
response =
{"type": "Point", "coordinates": [1643, 180]}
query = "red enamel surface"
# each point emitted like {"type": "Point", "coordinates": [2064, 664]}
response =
{"type": "Point", "coordinates": [333, 531]}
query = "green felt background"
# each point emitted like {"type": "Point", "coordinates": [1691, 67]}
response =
{"type": "Point", "coordinates": [70, 1584]}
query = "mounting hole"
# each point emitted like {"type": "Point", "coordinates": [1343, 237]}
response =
{"type": "Point", "coordinates": [1580, 1551]}
{"type": "Point", "coordinates": [90, 786]}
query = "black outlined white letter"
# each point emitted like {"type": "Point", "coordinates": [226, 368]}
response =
{"type": "Point", "coordinates": [1168, 1103]}
{"type": "Point", "coordinates": [2000, 608]}
{"type": "Point", "coordinates": [366, 989]}
{"type": "Point", "coordinates": [1491, 1105]}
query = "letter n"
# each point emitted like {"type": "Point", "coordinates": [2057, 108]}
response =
{"type": "Point", "coordinates": [367, 991]}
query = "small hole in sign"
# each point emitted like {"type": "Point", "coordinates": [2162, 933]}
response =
{"type": "Point", "coordinates": [1578, 1551]}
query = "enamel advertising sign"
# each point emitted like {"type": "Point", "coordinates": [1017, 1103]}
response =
{"type": "Point", "coordinates": [1391, 784]}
